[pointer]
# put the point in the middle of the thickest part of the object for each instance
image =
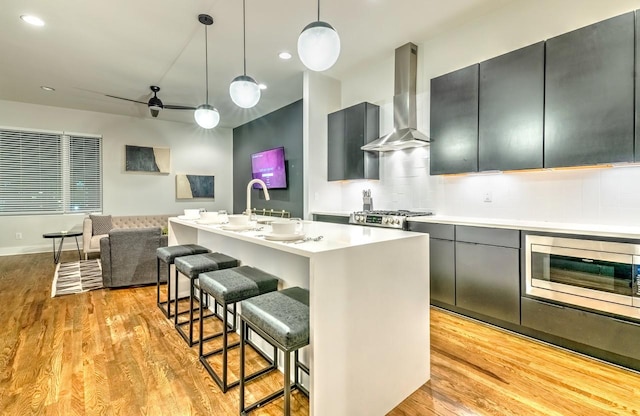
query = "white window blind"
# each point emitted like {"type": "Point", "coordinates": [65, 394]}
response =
{"type": "Point", "coordinates": [84, 192]}
{"type": "Point", "coordinates": [48, 172]}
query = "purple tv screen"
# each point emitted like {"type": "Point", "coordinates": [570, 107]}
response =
{"type": "Point", "coordinates": [269, 166]}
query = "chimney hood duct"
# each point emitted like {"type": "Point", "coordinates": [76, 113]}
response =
{"type": "Point", "coordinates": [405, 134]}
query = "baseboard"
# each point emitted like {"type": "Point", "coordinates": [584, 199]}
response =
{"type": "Point", "coordinates": [40, 248]}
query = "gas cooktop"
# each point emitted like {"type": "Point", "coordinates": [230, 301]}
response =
{"type": "Point", "coordinates": [388, 219]}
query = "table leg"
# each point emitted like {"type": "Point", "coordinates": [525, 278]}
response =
{"type": "Point", "coordinates": [78, 246]}
{"type": "Point", "coordinates": [56, 257]}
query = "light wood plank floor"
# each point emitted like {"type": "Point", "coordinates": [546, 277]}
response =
{"type": "Point", "coordinates": [112, 352]}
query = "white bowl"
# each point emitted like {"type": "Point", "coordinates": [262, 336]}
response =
{"type": "Point", "coordinates": [209, 215]}
{"type": "Point", "coordinates": [286, 227]}
{"type": "Point", "coordinates": [192, 213]}
{"type": "Point", "coordinates": [238, 219]}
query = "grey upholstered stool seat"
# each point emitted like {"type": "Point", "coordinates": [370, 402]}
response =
{"type": "Point", "coordinates": [228, 287]}
{"type": "Point", "coordinates": [168, 256]}
{"type": "Point", "coordinates": [282, 319]}
{"type": "Point", "coordinates": [191, 266]}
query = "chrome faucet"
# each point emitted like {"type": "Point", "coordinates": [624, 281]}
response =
{"type": "Point", "coordinates": [264, 188]}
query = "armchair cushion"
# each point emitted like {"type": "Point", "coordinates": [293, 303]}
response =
{"type": "Point", "coordinates": [128, 256]}
{"type": "Point", "coordinates": [101, 224]}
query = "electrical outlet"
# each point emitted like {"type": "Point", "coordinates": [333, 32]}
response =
{"type": "Point", "coordinates": [488, 197]}
{"type": "Point", "coordinates": [18, 236]}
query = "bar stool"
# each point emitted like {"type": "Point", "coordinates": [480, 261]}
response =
{"type": "Point", "coordinates": [282, 319]}
{"type": "Point", "coordinates": [192, 266]}
{"type": "Point", "coordinates": [228, 287]}
{"type": "Point", "coordinates": [168, 256]}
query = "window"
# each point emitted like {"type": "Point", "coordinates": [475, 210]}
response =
{"type": "Point", "coordinates": [49, 172]}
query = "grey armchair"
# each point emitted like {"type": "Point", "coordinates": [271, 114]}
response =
{"type": "Point", "coordinates": [128, 256]}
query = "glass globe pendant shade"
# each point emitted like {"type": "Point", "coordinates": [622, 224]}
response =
{"type": "Point", "coordinates": [319, 46]}
{"type": "Point", "coordinates": [206, 116]}
{"type": "Point", "coordinates": [244, 91]}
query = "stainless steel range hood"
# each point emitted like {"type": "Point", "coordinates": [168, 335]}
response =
{"type": "Point", "coordinates": [405, 133]}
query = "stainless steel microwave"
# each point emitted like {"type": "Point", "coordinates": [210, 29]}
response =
{"type": "Point", "coordinates": [594, 274]}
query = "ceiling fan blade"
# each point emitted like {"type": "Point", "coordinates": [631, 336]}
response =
{"type": "Point", "coordinates": [178, 107]}
{"type": "Point", "coordinates": [126, 99]}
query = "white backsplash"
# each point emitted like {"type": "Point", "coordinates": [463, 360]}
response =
{"type": "Point", "coordinates": [404, 183]}
{"type": "Point", "coordinates": [588, 195]}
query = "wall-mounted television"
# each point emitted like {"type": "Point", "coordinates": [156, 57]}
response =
{"type": "Point", "coordinates": [269, 165]}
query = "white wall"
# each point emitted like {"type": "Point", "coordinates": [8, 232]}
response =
{"type": "Point", "coordinates": [193, 151]}
{"type": "Point", "coordinates": [604, 196]}
{"type": "Point", "coordinates": [321, 96]}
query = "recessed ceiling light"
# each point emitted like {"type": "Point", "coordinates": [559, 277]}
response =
{"type": "Point", "coordinates": [284, 55]}
{"type": "Point", "coordinates": [44, 87]}
{"type": "Point", "coordinates": [32, 20]}
{"type": "Point", "coordinates": [262, 86]}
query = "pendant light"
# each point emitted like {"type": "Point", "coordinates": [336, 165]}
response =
{"type": "Point", "coordinates": [244, 90]}
{"type": "Point", "coordinates": [319, 45]}
{"type": "Point", "coordinates": [206, 116]}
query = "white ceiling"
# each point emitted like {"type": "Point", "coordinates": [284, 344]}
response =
{"type": "Point", "coordinates": [120, 47]}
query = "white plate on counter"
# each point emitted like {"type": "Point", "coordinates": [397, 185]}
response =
{"type": "Point", "coordinates": [242, 227]}
{"type": "Point", "coordinates": [283, 237]}
{"type": "Point", "coordinates": [210, 222]}
{"type": "Point", "coordinates": [184, 217]}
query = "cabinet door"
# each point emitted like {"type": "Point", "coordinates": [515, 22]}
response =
{"type": "Point", "coordinates": [602, 332]}
{"type": "Point", "coordinates": [511, 110]}
{"type": "Point", "coordinates": [454, 122]}
{"type": "Point", "coordinates": [335, 138]}
{"type": "Point", "coordinates": [354, 138]}
{"type": "Point", "coordinates": [442, 271]}
{"type": "Point", "coordinates": [637, 89]}
{"type": "Point", "coordinates": [488, 280]}
{"type": "Point", "coordinates": [348, 130]}
{"type": "Point", "coordinates": [589, 95]}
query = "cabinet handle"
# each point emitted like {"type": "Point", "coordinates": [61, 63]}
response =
{"type": "Point", "coordinates": [548, 304]}
{"type": "Point", "coordinates": [587, 260]}
{"type": "Point", "coordinates": [626, 322]}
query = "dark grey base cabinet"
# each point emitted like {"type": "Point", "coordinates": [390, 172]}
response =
{"type": "Point", "coordinates": [488, 280]}
{"type": "Point", "coordinates": [442, 260]}
{"type": "Point", "coordinates": [591, 329]}
{"type": "Point", "coordinates": [348, 130]}
{"type": "Point", "coordinates": [442, 271]}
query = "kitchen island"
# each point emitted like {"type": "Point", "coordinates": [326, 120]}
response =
{"type": "Point", "coordinates": [369, 306]}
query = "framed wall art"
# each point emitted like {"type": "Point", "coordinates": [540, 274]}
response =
{"type": "Point", "coordinates": [147, 159]}
{"type": "Point", "coordinates": [194, 186]}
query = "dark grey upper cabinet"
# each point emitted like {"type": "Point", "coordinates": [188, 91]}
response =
{"type": "Point", "coordinates": [637, 108]}
{"type": "Point", "coordinates": [454, 122]}
{"type": "Point", "coordinates": [349, 129]}
{"type": "Point", "coordinates": [510, 128]}
{"type": "Point", "coordinates": [589, 95]}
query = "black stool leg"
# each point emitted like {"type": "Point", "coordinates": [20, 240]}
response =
{"type": "Point", "coordinates": [169, 291]}
{"type": "Point", "coordinates": [225, 338]}
{"type": "Point", "coordinates": [287, 383]}
{"type": "Point", "coordinates": [242, 337]}
{"type": "Point", "coordinates": [158, 281]}
{"type": "Point", "coordinates": [191, 313]}
{"type": "Point", "coordinates": [175, 295]}
{"type": "Point", "coordinates": [201, 324]}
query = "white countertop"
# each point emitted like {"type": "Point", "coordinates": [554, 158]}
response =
{"type": "Point", "coordinates": [618, 231]}
{"type": "Point", "coordinates": [335, 236]}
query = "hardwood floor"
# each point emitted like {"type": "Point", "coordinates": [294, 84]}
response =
{"type": "Point", "coordinates": [112, 352]}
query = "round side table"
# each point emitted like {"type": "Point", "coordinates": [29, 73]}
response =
{"type": "Point", "coordinates": [62, 235]}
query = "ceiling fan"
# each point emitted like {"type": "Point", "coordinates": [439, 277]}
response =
{"type": "Point", "coordinates": [154, 103]}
